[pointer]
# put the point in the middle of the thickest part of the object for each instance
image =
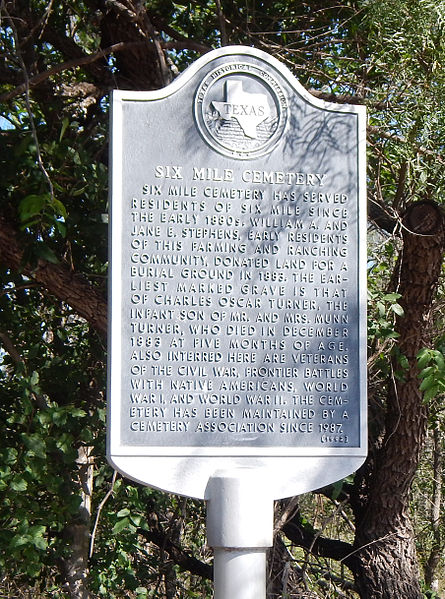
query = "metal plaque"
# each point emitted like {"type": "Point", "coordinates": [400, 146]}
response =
{"type": "Point", "coordinates": [238, 276]}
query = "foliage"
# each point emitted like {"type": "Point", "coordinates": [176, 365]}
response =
{"type": "Point", "coordinates": [44, 417]}
{"type": "Point", "coordinates": [432, 373]}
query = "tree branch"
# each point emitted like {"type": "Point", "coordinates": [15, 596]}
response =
{"type": "Point", "coordinates": [69, 64]}
{"type": "Point", "coordinates": [186, 45]}
{"type": "Point", "coordinates": [316, 544]}
{"type": "Point", "coordinates": [222, 24]}
{"type": "Point", "coordinates": [108, 494]}
{"type": "Point", "coordinates": [403, 140]}
{"type": "Point", "coordinates": [10, 348]}
{"type": "Point", "coordinates": [90, 58]}
{"type": "Point", "coordinates": [180, 557]}
{"type": "Point", "coordinates": [303, 535]}
{"type": "Point", "coordinates": [59, 280]}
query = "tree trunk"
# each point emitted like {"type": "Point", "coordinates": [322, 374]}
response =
{"type": "Point", "coordinates": [386, 565]}
{"type": "Point", "coordinates": [431, 567]}
{"type": "Point", "coordinates": [76, 566]}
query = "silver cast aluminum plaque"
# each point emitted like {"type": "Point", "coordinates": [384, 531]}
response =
{"type": "Point", "coordinates": [237, 331]}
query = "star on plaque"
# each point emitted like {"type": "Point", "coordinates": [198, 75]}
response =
{"type": "Point", "coordinates": [248, 109]}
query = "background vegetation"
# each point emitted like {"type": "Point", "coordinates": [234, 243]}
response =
{"type": "Point", "coordinates": [71, 528]}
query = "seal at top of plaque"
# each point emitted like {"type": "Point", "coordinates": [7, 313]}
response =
{"type": "Point", "coordinates": [241, 110]}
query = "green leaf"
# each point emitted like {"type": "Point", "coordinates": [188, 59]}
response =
{"type": "Point", "coordinates": [78, 192]}
{"type": "Point", "coordinates": [431, 393]}
{"type": "Point", "coordinates": [32, 205]}
{"type": "Point", "coordinates": [381, 308]}
{"type": "Point", "coordinates": [403, 361]}
{"type": "Point", "coordinates": [423, 357]}
{"type": "Point", "coordinates": [397, 309]}
{"type": "Point", "coordinates": [36, 536]}
{"type": "Point", "coordinates": [427, 383]}
{"type": "Point", "coordinates": [33, 569]}
{"type": "Point", "coordinates": [77, 413]}
{"type": "Point", "coordinates": [59, 208]}
{"type": "Point", "coordinates": [61, 227]}
{"type": "Point", "coordinates": [59, 416]}
{"type": "Point", "coordinates": [9, 455]}
{"type": "Point", "coordinates": [136, 519]}
{"type": "Point", "coordinates": [337, 488]}
{"type": "Point", "coordinates": [392, 297]}
{"type": "Point", "coordinates": [41, 543]}
{"type": "Point", "coordinates": [438, 358]}
{"type": "Point", "coordinates": [36, 445]}
{"type": "Point", "coordinates": [65, 125]}
{"type": "Point", "coordinates": [18, 541]}
{"type": "Point", "coordinates": [45, 253]}
{"type": "Point", "coordinates": [427, 371]}
{"type": "Point", "coordinates": [120, 525]}
{"type": "Point", "coordinates": [19, 484]}
{"type": "Point", "coordinates": [124, 512]}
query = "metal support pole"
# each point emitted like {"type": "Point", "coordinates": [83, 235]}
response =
{"type": "Point", "coordinates": [240, 529]}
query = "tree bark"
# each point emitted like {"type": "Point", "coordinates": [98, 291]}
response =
{"type": "Point", "coordinates": [386, 564]}
{"type": "Point", "coordinates": [141, 67]}
{"type": "Point", "coordinates": [431, 567]}
{"type": "Point", "coordinates": [58, 279]}
{"type": "Point", "coordinates": [76, 566]}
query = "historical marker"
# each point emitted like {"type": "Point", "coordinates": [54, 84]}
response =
{"type": "Point", "coordinates": [238, 279]}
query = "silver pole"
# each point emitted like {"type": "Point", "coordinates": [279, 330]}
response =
{"type": "Point", "coordinates": [240, 529]}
